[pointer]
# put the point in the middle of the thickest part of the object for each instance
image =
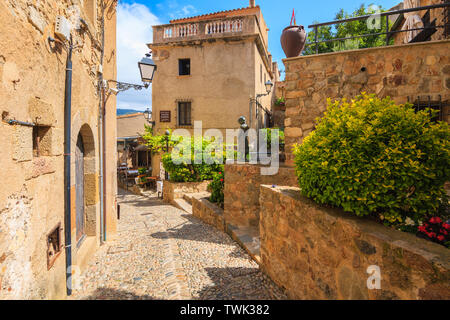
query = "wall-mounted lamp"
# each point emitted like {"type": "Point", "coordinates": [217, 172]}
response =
{"type": "Point", "coordinates": [147, 67]}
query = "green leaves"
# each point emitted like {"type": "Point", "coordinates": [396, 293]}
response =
{"type": "Point", "coordinates": [216, 188]}
{"type": "Point", "coordinates": [190, 170]}
{"type": "Point", "coordinates": [371, 156]}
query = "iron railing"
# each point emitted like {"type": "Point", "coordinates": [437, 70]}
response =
{"type": "Point", "coordinates": [388, 33]}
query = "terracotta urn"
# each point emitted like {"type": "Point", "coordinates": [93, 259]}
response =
{"type": "Point", "coordinates": [293, 41]}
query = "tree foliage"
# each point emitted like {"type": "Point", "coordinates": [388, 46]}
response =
{"type": "Point", "coordinates": [349, 29]}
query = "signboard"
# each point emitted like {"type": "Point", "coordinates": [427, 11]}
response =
{"type": "Point", "coordinates": [164, 116]}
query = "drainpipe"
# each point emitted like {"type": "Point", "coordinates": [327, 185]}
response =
{"type": "Point", "coordinates": [67, 159]}
{"type": "Point", "coordinates": [101, 133]}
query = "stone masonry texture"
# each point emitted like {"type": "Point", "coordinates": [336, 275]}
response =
{"type": "Point", "coordinates": [32, 89]}
{"type": "Point", "coordinates": [315, 252]}
{"type": "Point", "coordinates": [414, 70]}
{"type": "Point", "coordinates": [242, 191]}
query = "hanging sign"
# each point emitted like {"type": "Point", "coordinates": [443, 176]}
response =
{"type": "Point", "coordinates": [164, 116]}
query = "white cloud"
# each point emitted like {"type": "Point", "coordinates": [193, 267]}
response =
{"type": "Point", "coordinates": [184, 12]}
{"type": "Point", "coordinates": [134, 31]}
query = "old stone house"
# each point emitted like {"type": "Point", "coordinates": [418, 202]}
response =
{"type": "Point", "coordinates": [210, 69]}
{"type": "Point", "coordinates": [130, 151]}
{"type": "Point", "coordinates": [48, 231]}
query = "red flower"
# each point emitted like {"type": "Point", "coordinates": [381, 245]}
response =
{"type": "Point", "coordinates": [435, 220]}
{"type": "Point", "coordinates": [220, 172]}
{"type": "Point", "coordinates": [432, 235]}
{"type": "Point", "coordinates": [221, 180]}
{"type": "Point", "coordinates": [441, 238]}
{"type": "Point", "coordinates": [422, 229]}
{"type": "Point", "coordinates": [446, 226]}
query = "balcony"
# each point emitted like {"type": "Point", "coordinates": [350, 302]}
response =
{"type": "Point", "coordinates": [206, 29]}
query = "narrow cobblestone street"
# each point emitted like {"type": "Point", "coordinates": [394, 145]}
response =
{"type": "Point", "coordinates": [162, 252]}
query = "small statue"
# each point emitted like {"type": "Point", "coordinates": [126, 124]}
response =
{"type": "Point", "coordinates": [244, 126]}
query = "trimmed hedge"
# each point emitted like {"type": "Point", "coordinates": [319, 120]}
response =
{"type": "Point", "coordinates": [371, 156]}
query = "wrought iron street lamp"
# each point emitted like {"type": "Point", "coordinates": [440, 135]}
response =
{"type": "Point", "coordinates": [148, 117]}
{"type": "Point", "coordinates": [147, 114]}
{"type": "Point", "coordinates": [147, 67]}
{"type": "Point", "coordinates": [269, 86]}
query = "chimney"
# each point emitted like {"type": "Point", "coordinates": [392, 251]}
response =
{"type": "Point", "coordinates": [252, 3]}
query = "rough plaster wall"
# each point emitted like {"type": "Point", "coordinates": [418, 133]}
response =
{"type": "Point", "coordinates": [16, 276]}
{"type": "Point", "coordinates": [32, 78]}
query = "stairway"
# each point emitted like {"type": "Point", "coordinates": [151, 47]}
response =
{"type": "Point", "coordinates": [185, 203]}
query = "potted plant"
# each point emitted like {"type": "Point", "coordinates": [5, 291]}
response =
{"type": "Point", "coordinates": [281, 102]}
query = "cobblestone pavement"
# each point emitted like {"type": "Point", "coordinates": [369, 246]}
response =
{"type": "Point", "coordinates": [162, 252]}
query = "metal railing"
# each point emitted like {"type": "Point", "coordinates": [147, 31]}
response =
{"type": "Point", "coordinates": [388, 33]}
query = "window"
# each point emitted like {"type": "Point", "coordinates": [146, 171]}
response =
{"type": "Point", "coordinates": [184, 66]}
{"type": "Point", "coordinates": [438, 106]}
{"type": "Point", "coordinates": [184, 114]}
{"type": "Point", "coordinates": [447, 20]}
{"type": "Point", "coordinates": [41, 141]}
{"type": "Point", "coordinates": [260, 72]}
{"type": "Point", "coordinates": [54, 246]}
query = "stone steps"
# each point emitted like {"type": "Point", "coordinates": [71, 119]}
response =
{"type": "Point", "coordinates": [189, 196]}
{"type": "Point", "coordinates": [183, 205]}
{"type": "Point", "coordinates": [248, 238]}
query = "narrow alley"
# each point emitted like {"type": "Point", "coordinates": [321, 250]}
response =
{"type": "Point", "coordinates": [163, 253]}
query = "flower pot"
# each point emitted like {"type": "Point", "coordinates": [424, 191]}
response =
{"type": "Point", "coordinates": [293, 41]}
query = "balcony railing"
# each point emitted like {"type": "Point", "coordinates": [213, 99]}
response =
{"type": "Point", "coordinates": [205, 29]}
{"type": "Point", "coordinates": [223, 26]}
{"type": "Point", "coordinates": [428, 29]}
{"type": "Point", "coordinates": [181, 31]}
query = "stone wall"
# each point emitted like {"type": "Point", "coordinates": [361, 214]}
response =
{"type": "Point", "coordinates": [209, 213]}
{"type": "Point", "coordinates": [32, 88]}
{"type": "Point", "coordinates": [242, 191]}
{"type": "Point", "coordinates": [320, 253]}
{"type": "Point", "coordinates": [400, 72]}
{"type": "Point", "coordinates": [176, 190]}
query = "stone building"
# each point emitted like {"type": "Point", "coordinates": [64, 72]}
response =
{"type": "Point", "coordinates": [210, 69]}
{"type": "Point", "coordinates": [34, 251]}
{"type": "Point", "coordinates": [130, 150]}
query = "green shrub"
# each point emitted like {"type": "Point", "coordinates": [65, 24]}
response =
{"type": "Point", "coordinates": [192, 172]}
{"type": "Point", "coordinates": [216, 188]}
{"type": "Point", "coordinates": [372, 156]}
{"type": "Point", "coordinates": [267, 136]}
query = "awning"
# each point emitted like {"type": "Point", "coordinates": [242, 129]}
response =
{"type": "Point", "coordinates": [141, 148]}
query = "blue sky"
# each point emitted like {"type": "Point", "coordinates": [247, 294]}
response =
{"type": "Point", "coordinates": [135, 18]}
